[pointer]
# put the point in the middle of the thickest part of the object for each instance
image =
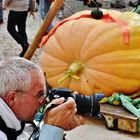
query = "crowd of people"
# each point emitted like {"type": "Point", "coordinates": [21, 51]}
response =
{"type": "Point", "coordinates": [17, 17]}
{"type": "Point", "coordinates": [18, 11]}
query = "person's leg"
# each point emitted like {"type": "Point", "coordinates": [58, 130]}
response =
{"type": "Point", "coordinates": [21, 25]}
{"type": "Point", "coordinates": [11, 26]}
{"type": "Point", "coordinates": [13, 19]}
{"type": "Point", "coordinates": [44, 6]}
{"type": "Point", "coordinates": [1, 12]}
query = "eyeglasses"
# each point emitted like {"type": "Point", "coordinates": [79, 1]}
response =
{"type": "Point", "coordinates": [41, 96]}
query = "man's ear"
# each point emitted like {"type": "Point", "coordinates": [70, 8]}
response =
{"type": "Point", "coordinates": [10, 98]}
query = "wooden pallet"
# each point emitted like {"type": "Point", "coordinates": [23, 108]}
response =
{"type": "Point", "coordinates": [118, 118]}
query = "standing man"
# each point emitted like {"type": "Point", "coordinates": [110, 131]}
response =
{"type": "Point", "coordinates": [16, 24]}
{"type": "Point", "coordinates": [44, 6]}
{"type": "Point", "coordinates": [1, 12]}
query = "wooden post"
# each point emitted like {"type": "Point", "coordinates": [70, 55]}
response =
{"type": "Point", "coordinates": [42, 30]}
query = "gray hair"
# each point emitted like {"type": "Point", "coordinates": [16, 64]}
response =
{"type": "Point", "coordinates": [15, 74]}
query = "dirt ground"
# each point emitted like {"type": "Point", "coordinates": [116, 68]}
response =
{"type": "Point", "coordinates": [94, 129]}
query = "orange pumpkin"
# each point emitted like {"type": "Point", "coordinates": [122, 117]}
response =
{"type": "Point", "coordinates": [89, 55]}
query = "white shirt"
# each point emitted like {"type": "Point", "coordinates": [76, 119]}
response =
{"type": "Point", "coordinates": [47, 132]}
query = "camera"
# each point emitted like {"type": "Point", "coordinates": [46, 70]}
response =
{"type": "Point", "coordinates": [85, 104]}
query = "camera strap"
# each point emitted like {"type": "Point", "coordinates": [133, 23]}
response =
{"type": "Point", "coordinates": [9, 132]}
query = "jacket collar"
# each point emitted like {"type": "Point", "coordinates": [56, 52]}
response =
{"type": "Point", "coordinates": [8, 116]}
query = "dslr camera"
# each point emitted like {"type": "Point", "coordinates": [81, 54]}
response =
{"type": "Point", "coordinates": [85, 104]}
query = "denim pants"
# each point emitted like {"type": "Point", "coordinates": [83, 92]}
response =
{"type": "Point", "coordinates": [1, 10]}
{"type": "Point", "coordinates": [44, 6]}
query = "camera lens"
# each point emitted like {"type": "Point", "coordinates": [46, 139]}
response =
{"type": "Point", "coordinates": [85, 104]}
{"type": "Point", "coordinates": [88, 104]}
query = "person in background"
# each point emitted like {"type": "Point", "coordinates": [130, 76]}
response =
{"type": "Point", "coordinates": [44, 6]}
{"type": "Point", "coordinates": [16, 24]}
{"type": "Point", "coordinates": [1, 12]}
{"type": "Point", "coordinates": [92, 3]}
{"type": "Point", "coordinates": [124, 3]}
{"type": "Point", "coordinates": [22, 92]}
{"type": "Point", "coordinates": [118, 4]}
{"type": "Point", "coordinates": [134, 3]}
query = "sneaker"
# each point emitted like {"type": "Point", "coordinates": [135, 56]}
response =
{"type": "Point", "coordinates": [24, 49]}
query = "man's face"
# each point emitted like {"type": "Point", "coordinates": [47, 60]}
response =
{"type": "Point", "coordinates": [28, 102]}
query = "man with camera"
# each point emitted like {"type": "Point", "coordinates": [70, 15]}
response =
{"type": "Point", "coordinates": [22, 91]}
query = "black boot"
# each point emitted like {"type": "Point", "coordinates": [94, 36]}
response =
{"type": "Point", "coordinates": [24, 49]}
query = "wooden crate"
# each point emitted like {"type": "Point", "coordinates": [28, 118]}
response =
{"type": "Point", "coordinates": [118, 118]}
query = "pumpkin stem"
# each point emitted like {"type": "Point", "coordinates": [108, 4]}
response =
{"type": "Point", "coordinates": [73, 69]}
{"type": "Point", "coordinates": [96, 13]}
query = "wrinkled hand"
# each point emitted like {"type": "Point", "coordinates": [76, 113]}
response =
{"type": "Point", "coordinates": [64, 115]}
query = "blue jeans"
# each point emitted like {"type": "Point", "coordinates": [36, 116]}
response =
{"type": "Point", "coordinates": [44, 6]}
{"type": "Point", "coordinates": [1, 10]}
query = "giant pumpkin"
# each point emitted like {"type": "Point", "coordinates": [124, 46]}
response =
{"type": "Point", "coordinates": [92, 55]}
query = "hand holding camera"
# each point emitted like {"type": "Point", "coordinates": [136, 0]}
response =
{"type": "Point", "coordinates": [64, 114]}
{"type": "Point", "coordinates": [85, 104]}
{"type": "Point", "coordinates": [65, 108]}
